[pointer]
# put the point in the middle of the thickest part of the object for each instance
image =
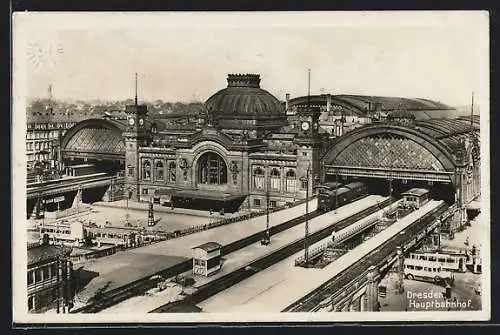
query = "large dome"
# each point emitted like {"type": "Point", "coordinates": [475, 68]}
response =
{"type": "Point", "coordinates": [243, 95]}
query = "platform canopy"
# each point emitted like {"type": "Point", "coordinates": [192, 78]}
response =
{"type": "Point", "coordinates": [215, 196]}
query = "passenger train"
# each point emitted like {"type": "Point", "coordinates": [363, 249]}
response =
{"type": "Point", "coordinates": [333, 195]}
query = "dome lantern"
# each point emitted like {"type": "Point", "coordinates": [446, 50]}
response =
{"type": "Point", "coordinates": [243, 80]}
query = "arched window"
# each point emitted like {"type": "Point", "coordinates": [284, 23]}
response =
{"type": "Point", "coordinates": [275, 179]}
{"type": "Point", "coordinates": [146, 170]}
{"type": "Point", "coordinates": [290, 181]}
{"type": "Point", "coordinates": [159, 175]}
{"type": "Point", "coordinates": [212, 169]}
{"type": "Point", "coordinates": [258, 178]}
{"type": "Point", "coordinates": [171, 172]}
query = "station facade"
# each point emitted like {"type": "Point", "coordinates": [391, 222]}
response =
{"type": "Point", "coordinates": [244, 153]}
{"type": "Point", "coordinates": [251, 147]}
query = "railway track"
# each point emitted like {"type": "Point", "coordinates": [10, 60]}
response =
{"type": "Point", "coordinates": [356, 275]}
{"type": "Point", "coordinates": [142, 285]}
{"type": "Point", "coordinates": [206, 291]}
{"type": "Point", "coordinates": [69, 184]}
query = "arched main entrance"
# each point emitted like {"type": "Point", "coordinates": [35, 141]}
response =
{"type": "Point", "coordinates": [211, 169]}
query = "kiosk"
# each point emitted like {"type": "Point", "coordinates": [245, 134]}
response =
{"type": "Point", "coordinates": [207, 259]}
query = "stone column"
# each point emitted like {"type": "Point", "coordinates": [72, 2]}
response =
{"type": "Point", "coordinates": [373, 278]}
{"type": "Point", "coordinates": [401, 267]}
{"type": "Point", "coordinates": [362, 303]}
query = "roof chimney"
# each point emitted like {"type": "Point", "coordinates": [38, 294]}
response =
{"type": "Point", "coordinates": [328, 102]}
{"type": "Point", "coordinates": [287, 101]}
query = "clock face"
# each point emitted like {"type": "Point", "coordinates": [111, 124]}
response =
{"type": "Point", "coordinates": [141, 122]}
{"type": "Point", "coordinates": [305, 125]}
{"type": "Point", "coordinates": [131, 121]}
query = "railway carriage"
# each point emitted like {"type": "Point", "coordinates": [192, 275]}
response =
{"type": "Point", "coordinates": [333, 195]}
{"type": "Point", "coordinates": [358, 189]}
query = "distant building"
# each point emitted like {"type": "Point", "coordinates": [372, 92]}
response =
{"type": "Point", "coordinates": [49, 276]}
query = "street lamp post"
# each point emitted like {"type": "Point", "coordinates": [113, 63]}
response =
{"type": "Point", "coordinates": [127, 196]}
{"type": "Point", "coordinates": [336, 190]}
{"type": "Point", "coordinates": [306, 233]}
{"type": "Point", "coordinates": [266, 240]}
{"type": "Point", "coordinates": [390, 193]}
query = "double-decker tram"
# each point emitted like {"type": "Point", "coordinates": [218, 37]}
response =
{"type": "Point", "coordinates": [448, 262]}
{"type": "Point", "coordinates": [426, 270]}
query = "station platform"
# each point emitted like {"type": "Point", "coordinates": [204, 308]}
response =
{"type": "Point", "coordinates": [111, 272]}
{"type": "Point", "coordinates": [144, 206]}
{"type": "Point", "coordinates": [127, 266]}
{"type": "Point", "coordinates": [246, 255]}
{"type": "Point", "coordinates": [280, 285]}
{"type": "Point", "coordinates": [223, 235]}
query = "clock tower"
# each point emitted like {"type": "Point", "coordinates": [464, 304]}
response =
{"type": "Point", "coordinates": [308, 122]}
{"type": "Point", "coordinates": [308, 144]}
{"type": "Point", "coordinates": [135, 136]}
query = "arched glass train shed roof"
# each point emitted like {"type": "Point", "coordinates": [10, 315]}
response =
{"type": "Point", "coordinates": [450, 132]}
{"type": "Point", "coordinates": [360, 105]}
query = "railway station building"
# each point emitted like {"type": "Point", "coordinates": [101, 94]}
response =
{"type": "Point", "coordinates": [249, 144]}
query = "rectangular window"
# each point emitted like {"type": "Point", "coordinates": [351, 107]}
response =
{"type": "Point", "coordinates": [256, 202]}
{"type": "Point", "coordinates": [31, 304]}
{"type": "Point", "coordinates": [258, 182]}
{"type": "Point", "coordinates": [38, 275]}
{"type": "Point", "coordinates": [53, 269]}
{"type": "Point", "coordinates": [144, 191]}
{"type": "Point", "coordinates": [213, 262]}
{"type": "Point", "coordinates": [290, 185]}
{"type": "Point", "coordinates": [418, 268]}
{"type": "Point", "coordinates": [130, 172]}
{"type": "Point", "coordinates": [272, 203]}
{"type": "Point", "coordinates": [303, 184]}
{"type": "Point", "coordinates": [45, 271]}
{"type": "Point", "coordinates": [304, 154]}
{"type": "Point", "coordinates": [275, 183]}
{"type": "Point", "coordinates": [30, 277]}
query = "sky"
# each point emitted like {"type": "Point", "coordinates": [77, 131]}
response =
{"type": "Point", "coordinates": [183, 57]}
